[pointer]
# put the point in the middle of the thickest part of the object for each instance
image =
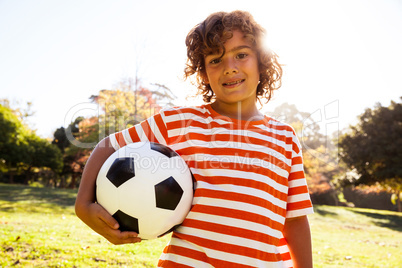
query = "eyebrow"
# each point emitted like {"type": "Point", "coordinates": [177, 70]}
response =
{"type": "Point", "coordinates": [239, 48]}
{"type": "Point", "coordinates": [232, 50]}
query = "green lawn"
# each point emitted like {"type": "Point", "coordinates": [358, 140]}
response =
{"type": "Point", "coordinates": [38, 228]}
{"type": "Point", "coordinates": [352, 237]}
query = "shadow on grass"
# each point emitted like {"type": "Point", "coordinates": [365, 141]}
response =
{"type": "Point", "coordinates": [393, 222]}
{"type": "Point", "coordinates": [45, 196]}
{"type": "Point", "coordinates": [324, 212]}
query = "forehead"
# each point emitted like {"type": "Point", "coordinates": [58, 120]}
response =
{"type": "Point", "coordinates": [237, 41]}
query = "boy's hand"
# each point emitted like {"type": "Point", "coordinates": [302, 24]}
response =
{"type": "Point", "coordinates": [93, 214]}
{"type": "Point", "coordinates": [104, 224]}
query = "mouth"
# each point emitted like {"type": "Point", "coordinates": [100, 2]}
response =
{"type": "Point", "coordinates": [233, 83]}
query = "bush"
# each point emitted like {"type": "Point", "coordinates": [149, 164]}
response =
{"type": "Point", "coordinates": [369, 197]}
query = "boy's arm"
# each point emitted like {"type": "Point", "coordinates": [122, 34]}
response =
{"type": "Point", "coordinates": [90, 212]}
{"type": "Point", "coordinates": [298, 237]}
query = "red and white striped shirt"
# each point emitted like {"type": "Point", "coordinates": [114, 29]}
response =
{"type": "Point", "coordinates": [249, 179]}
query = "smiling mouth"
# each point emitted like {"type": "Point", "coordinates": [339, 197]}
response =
{"type": "Point", "coordinates": [234, 82]}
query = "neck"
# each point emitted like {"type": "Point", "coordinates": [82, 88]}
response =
{"type": "Point", "coordinates": [238, 111]}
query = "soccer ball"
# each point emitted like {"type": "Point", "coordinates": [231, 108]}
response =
{"type": "Point", "coordinates": [147, 187]}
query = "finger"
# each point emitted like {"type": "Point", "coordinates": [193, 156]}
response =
{"type": "Point", "coordinates": [128, 235]}
{"type": "Point", "coordinates": [117, 237]}
{"type": "Point", "coordinates": [108, 219]}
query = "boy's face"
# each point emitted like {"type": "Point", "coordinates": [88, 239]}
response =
{"type": "Point", "coordinates": [234, 77]}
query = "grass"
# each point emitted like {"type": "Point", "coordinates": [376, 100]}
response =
{"type": "Point", "coordinates": [353, 237]}
{"type": "Point", "coordinates": [38, 228]}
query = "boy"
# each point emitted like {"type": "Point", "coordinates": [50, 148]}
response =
{"type": "Point", "coordinates": [250, 189]}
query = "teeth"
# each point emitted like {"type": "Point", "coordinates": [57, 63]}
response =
{"type": "Point", "coordinates": [234, 82]}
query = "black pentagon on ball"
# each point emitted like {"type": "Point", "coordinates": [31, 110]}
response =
{"type": "Point", "coordinates": [160, 148]}
{"type": "Point", "coordinates": [170, 230]}
{"type": "Point", "coordinates": [168, 194]}
{"type": "Point", "coordinates": [126, 222]}
{"type": "Point", "coordinates": [121, 171]}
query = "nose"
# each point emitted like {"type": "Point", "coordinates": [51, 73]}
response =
{"type": "Point", "coordinates": [230, 67]}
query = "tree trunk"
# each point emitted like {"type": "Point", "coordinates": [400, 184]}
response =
{"type": "Point", "coordinates": [73, 180]}
{"type": "Point", "coordinates": [62, 183]}
{"type": "Point", "coordinates": [335, 196]}
{"type": "Point", "coordinates": [11, 177]}
{"type": "Point", "coordinates": [10, 174]}
{"type": "Point", "coordinates": [28, 175]}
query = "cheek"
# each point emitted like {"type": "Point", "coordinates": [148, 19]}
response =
{"type": "Point", "coordinates": [212, 77]}
{"type": "Point", "coordinates": [254, 65]}
{"type": "Point", "coordinates": [256, 70]}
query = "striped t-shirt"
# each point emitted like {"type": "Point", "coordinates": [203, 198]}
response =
{"type": "Point", "coordinates": [248, 179]}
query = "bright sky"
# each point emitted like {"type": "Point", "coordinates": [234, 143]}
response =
{"type": "Point", "coordinates": [341, 56]}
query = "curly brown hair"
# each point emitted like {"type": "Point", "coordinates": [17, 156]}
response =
{"type": "Point", "coordinates": [209, 36]}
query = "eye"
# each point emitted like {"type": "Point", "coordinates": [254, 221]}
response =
{"type": "Point", "coordinates": [241, 55]}
{"type": "Point", "coordinates": [215, 61]}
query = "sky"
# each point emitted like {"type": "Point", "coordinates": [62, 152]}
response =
{"type": "Point", "coordinates": [339, 57]}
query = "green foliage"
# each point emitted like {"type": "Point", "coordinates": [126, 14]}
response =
{"type": "Point", "coordinates": [13, 144]}
{"type": "Point", "coordinates": [21, 149]}
{"type": "Point", "coordinates": [395, 197]}
{"type": "Point", "coordinates": [373, 147]}
{"type": "Point", "coordinates": [43, 154]}
{"type": "Point", "coordinates": [81, 131]}
{"type": "Point", "coordinates": [60, 139]}
{"type": "Point", "coordinates": [20, 110]}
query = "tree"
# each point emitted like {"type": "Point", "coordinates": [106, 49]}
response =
{"type": "Point", "coordinates": [306, 128]}
{"type": "Point", "coordinates": [13, 145]}
{"type": "Point", "coordinates": [60, 139]}
{"type": "Point", "coordinates": [161, 95]}
{"type": "Point", "coordinates": [21, 150]}
{"type": "Point", "coordinates": [319, 154]}
{"type": "Point", "coordinates": [118, 110]}
{"type": "Point", "coordinates": [126, 105]}
{"type": "Point", "coordinates": [74, 157]}
{"type": "Point", "coordinates": [23, 112]}
{"type": "Point", "coordinates": [372, 149]}
{"type": "Point", "coordinates": [41, 154]}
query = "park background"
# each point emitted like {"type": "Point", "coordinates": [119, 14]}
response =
{"type": "Point", "coordinates": [66, 68]}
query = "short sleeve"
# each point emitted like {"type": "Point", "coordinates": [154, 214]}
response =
{"type": "Point", "coordinates": [298, 201]}
{"type": "Point", "coordinates": [152, 129]}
